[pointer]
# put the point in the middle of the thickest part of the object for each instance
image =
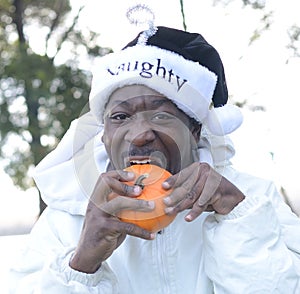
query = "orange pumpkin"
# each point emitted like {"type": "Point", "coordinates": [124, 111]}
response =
{"type": "Point", "coordinates": [150, 178]}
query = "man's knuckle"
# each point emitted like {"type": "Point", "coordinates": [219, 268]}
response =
{"type": "Point", "coordinates": [204, 169]}
{"type": "Point", "coordinates": [103, 177]}
{"type": "Point", "coordinates": [129, 228]}
{"type": "Point", "coordinates": [192, 195]}
{"type": "Point", "coordinates": [205, 165]}
{"type": "Point", "coordinates": [200, 204]}
{"type": "Point", "coordinates": [141, 204]}
{"type": "Point", "coordinates": [185, 187]}
{"type": "Point", "coordinates": [126, 189]}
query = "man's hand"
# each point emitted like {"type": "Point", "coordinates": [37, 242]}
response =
{"type": "Point", "coordinates": [102, 231]}
{"type": "Point", "coordinates": [201, 188]}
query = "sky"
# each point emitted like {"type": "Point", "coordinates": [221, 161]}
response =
{"type": "Point", "coordinates": [267, 143]}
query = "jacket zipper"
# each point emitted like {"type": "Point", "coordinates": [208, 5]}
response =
{"type": "Point", "coordinates": [161, 261]}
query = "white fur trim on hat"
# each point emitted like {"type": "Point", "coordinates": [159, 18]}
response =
{"type": "Point", "coordinates": [223, 120]}
{"type": "Point", "coordinates": [187, 83]}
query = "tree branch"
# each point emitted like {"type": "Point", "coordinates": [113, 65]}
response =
{"type": "Point", "coordinates": [57, 8]}
{"type": "Point", "coordinates": [18, 19]}
{"type": "Point", "coordinates": [183, 15]}
{"type": "Point", "coordinates": [66, 34]}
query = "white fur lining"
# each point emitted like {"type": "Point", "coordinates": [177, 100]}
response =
{"type": "Point", "coordinates": [187, 83]}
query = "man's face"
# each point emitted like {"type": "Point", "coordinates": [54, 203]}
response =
{"type": "Point", "coordinates": [142, 126]}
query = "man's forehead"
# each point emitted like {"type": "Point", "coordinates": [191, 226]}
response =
{"type": "Point", "coordinates": [130, 91]}
{"type": "Point", "coordinates": [129, 96]}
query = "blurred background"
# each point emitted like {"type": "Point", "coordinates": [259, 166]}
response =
{"type": "Point", "coordinates": [47, 49]}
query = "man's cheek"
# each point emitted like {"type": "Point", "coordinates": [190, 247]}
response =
{"type": "Point", "coordinates": [104, 139]}
{"type": "Point", "coordinates": [107, 143]}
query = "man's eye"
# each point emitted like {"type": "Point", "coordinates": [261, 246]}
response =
{"type": "Point", "coordinates": [119, 116]}
{"type": "Point", "coordinates": [161, 116]}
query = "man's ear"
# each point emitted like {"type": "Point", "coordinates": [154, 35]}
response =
{"type": "Point", "coordinates": [196, 131]}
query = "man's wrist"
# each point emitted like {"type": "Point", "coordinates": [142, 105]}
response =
{"type": "Point", "coordinates": [81, 265]}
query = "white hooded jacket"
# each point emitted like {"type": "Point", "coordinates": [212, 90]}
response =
{"type": "Point", "coordinates": [253, 249]}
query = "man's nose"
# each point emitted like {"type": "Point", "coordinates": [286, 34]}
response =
{"type": "Point", "coordinates": [140, 133]}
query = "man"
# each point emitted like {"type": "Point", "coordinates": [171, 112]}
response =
{"type": "Point", "coordinates": [162, 102]}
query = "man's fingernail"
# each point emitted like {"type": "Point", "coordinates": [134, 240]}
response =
{"type": "Point", "coordinates": [188, 218]}
{"type": "Point", "coordinates": [130, 174]}
{"type": "Point", "coordinates": [169, 210]}
{"type": "Point", "coordinates": [167, 200]}
{"type": "Point", "coordinates": [151, 204]}
{"type": "Point", "coordinates": [136, 190]}
{"type": "Point", "coordinates": [166, 185]}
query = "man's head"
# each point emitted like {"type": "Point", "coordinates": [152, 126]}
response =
{"type": "Point", "coordinates": [143, 126]}
{"type": "Point", "coordinates": [178, 67]}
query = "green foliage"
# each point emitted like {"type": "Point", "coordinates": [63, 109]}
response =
{"type": "Point", "coordinates": [264, 25]}
{"type": "Point", "coordinates": [294, 44]}
{"type": "Point", "coordinates": [38, 96]}
{"type": "Point", "coordinates": [256, 4]}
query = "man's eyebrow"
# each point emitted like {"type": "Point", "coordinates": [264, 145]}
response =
{"type": "Point", "coordinates": [127, 104]}
{"type": "Point", "coordinates": [120, 102]}
{"type": "Point", "coordinates": [160, 102]}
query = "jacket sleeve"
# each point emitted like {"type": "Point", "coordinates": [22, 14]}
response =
{"type": "Point", "coordinates": [255, 248]}
{"type": "Point", "coordinates": [43, 264]}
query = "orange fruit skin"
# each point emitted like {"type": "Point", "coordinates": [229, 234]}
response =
{"type": "Point", "coordinates": [156, 219]}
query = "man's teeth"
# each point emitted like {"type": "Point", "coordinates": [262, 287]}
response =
{"type": "Point", "coordinates": [146, 161]}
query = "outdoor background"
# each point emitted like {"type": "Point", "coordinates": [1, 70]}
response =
{"type": "Point", "coordinates": [46, 52]}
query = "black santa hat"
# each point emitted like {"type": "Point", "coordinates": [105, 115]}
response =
{"type": "Point", "coordinates": [194, 47]}
{"type": "Point", "coordinates": [182, 66]}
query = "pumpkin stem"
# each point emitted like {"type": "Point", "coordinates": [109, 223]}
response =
{"type": "Point", "coordinates": [139, 180]}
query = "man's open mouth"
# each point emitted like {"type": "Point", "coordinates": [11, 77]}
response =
{"type": "Point", "coordinates": [134, 162]}
{"type": "Point", "coordinates": [155, 160]}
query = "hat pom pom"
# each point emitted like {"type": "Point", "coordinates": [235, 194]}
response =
{"type": "Point", "coordinates": [224, 120]}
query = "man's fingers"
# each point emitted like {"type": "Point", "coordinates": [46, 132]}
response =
{"type": "Point", "coordinates": [112, 183]}
{"type": "Point", "coordinates": [189, 199]}
{"type": "Point", "coordinates": [195, 212]}
{"type": "Point", "coordinates": [115, 180]}
{"type": "Point", "coordinates": [178, 179]}
{"type": "Point", "coordinates": [183, 189]}
{"type": "Point", "coordinates": [119, 203]}
{"type": "Point", "coordinates": [212, 183]}
{"type": "Point", "coordinates": [136, 231]}
{"type": "Point", "coordinates": [120, 175]}
{"type": "Point", "coordinates": [176, 196]}
{"type": "Point", "coordinates": [187, 194]}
